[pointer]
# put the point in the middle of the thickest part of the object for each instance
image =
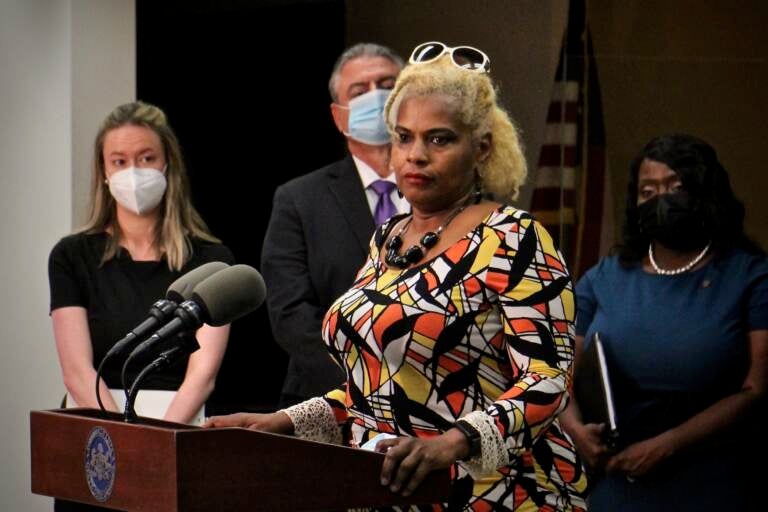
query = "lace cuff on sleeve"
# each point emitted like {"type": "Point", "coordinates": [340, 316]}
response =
{"type": "Point", "coordinates": [314, 420]}
{"type": "Point", "coordinates": [493, 451]}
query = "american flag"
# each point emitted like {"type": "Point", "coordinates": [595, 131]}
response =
{"type": "Point", "coordinates": [571, 195]}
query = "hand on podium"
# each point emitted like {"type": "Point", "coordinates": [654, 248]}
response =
{"type": "Point", "coordinates": [276, 422]}
{"type": "Point", "coordinates": [410, 459]}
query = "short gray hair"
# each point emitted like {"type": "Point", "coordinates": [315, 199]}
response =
{"type": "Point", "coordinates": [359, 50]}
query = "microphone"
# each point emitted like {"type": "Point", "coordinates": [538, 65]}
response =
{"type": "Point", "coordinates": [159, 313]}
{"type": "Point", "coordinates": [182, 288]}
{"type": "Point", "coordinates": [162, 310]}
{"type": "Point", "coordinates": [217, 300]}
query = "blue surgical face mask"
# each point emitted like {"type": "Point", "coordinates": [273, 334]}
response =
{"type": "Point", "coordinates": [366, 118]}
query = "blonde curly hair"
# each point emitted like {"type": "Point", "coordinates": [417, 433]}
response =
{"type": "Point", "coordinates": [504, 171]}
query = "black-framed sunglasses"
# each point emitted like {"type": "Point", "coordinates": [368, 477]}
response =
{"type": "Point", "coordinates": [465, 57]}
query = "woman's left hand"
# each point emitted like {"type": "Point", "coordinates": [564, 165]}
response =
{"type": "Point", "coordinates": [409, 459]}
{"type": "Point", "coordinates": [638, 459]}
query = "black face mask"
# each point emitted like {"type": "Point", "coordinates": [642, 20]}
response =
{"type": "Point", "coordinates": [674, 221]}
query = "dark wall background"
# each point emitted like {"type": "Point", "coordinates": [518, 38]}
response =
{"type": "Point", "coordinates": [664, 65]}
{"type": "Point", "coordinates": [244, 84]}
{"type": "Point", "coordinates": [687, 66]}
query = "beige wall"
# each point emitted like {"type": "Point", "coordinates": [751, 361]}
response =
{"type": "Point", "coordinates": [103, 76]}
{"type": "Point", "coordinates": [688, 66]}
{"type": "Point", "coordinates": [521, 37]}
{"type": "Point", "coordinates": [665, 65]}
{"type": "Point", "coordinates": [64, 63]}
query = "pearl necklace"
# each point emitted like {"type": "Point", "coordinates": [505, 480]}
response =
{"type": "Point", "coordinates": [680, 270]}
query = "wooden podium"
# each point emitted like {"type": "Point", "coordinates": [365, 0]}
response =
{"type": "Point", "coordinates": [157, 466]}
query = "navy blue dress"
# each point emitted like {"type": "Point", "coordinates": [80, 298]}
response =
{"type": "Point", "coordinates": [675, 345]}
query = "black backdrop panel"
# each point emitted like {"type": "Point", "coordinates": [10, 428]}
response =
{"type": "Point", "coordinates": [244, 85]}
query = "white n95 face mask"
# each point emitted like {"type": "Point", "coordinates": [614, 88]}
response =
{"type": "Point", "coordinates": [139, 190]}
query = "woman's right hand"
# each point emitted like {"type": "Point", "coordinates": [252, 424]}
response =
{"type": "Point", "coordinates": [276, 422]}
{"type": "Point", "coordinates": [589, 443]}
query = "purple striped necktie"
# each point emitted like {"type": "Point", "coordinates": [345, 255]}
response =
{"type": "Point", "coordinates": [385, 208]}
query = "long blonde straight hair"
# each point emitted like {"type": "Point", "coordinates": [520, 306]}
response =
{"type": "Point", "coordinates": [178, 222]}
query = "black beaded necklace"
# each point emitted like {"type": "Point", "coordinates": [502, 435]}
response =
{"type": "Point", "coordinates": [417, 251]}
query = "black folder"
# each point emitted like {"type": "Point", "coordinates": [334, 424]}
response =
{"type": "Point", "coordinates": [593, 392]}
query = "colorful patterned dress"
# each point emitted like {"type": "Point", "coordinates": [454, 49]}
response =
{"type": "Point", "coordinates": [486, 327]}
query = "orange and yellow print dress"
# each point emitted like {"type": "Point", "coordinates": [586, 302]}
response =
{"type": "Point", "coordinates": [485, 326]}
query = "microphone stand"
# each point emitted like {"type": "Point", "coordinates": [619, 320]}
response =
{"type": "Point", "coordinates": [187, 316]}
{"type": "Point", "coordinates": [187, 344]}
{"type": "Point", "coordinates": [99, 379]}
{"type": "Point", "coordinates": [158, 312]}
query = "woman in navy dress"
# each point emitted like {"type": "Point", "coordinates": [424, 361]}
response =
{"type": "Point", "coordinates": [682, 310]}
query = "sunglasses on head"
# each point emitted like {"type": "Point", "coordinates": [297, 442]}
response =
{"type": "Point", "coordinates": [464, 57]}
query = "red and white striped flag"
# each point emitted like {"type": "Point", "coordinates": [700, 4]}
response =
{"type": "Point", "coordinates": [572, 189]}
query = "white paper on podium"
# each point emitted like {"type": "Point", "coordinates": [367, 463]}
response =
{"type": "Point", "coordinates": [150, 403]}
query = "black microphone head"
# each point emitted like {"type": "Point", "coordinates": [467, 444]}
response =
{"type": "Point", "coordinates": [182, 288]}
{"type": "Point", "coordinates": [229, 294]}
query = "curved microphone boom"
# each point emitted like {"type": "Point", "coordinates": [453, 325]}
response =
{"type": "Point", "coordinates": [160, 312]}
{"type": "Point", "coordinates": [185, 346]}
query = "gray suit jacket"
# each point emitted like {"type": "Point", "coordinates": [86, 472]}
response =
{"type": "Point", "coordinates": [317, 240]}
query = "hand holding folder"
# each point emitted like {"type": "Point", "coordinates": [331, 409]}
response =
{"type": "Point", "coordinates": [593, 392]}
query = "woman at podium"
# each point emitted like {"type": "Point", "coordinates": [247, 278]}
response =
{"type": "Point", "coordinates": [456, 337]}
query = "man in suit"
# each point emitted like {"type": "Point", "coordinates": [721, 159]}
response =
{"type": "Point", "coordinates": [322, 222]}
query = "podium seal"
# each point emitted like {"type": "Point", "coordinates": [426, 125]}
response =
{"type": "Point", "coordinates": [100, 464]}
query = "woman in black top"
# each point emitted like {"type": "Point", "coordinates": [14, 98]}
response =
{"type": "Point", "coordinates": [141, 235]}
